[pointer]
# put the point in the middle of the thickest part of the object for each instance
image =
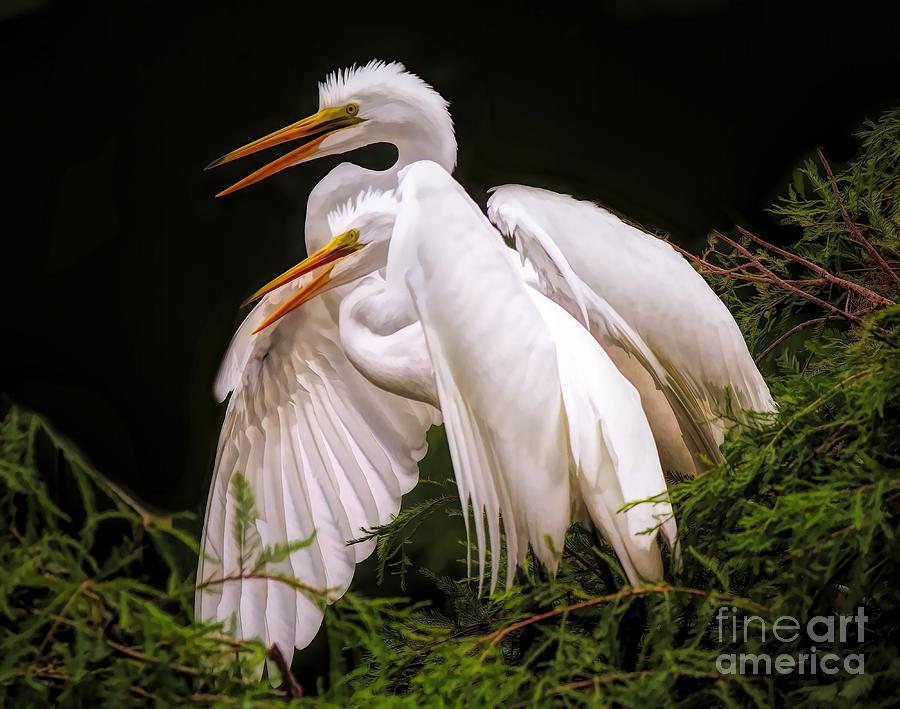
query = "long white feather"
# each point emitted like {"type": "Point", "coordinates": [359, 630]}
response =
{"type": "Point", "coordinates": [612, 447]}
{"type": "Point", "coordinates": [643, 282]}
{"type": "Point", "coordinates": [323, 450]}
{"type": "Point", "coordinates": [494, 363]}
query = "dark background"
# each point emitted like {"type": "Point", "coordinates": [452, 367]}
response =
{"type": "Point", "coordinates": [122, 275]}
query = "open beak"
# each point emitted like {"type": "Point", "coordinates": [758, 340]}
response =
{"type": "Point", "coordinates": [338, 248]}
{"type": "Point", "coordinates": [322, 124]}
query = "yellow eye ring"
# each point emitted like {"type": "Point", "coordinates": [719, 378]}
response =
{"type": "Point", "coordinates": [352, 109]}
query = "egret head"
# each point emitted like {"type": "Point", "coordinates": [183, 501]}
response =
{"type": "Point", "coordinates": [376, 103]}
{"type": "Point", "coordinates": [362, 230]}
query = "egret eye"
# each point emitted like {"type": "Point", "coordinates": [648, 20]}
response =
{"type": "Point", "coordinates": [354, 235]}
{"type": "Point", "coordinates": [352, 109]}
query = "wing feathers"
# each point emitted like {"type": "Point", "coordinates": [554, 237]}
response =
{"type": "Point", "coordinates": [611, 444]}
{"type": "Point", "coordinates": [494, 366]}
{"type": "Point", "coordinates": [323, 451]}
{"type": "Point", "coordinates": [655, 290]}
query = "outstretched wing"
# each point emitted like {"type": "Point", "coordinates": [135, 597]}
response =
{"type": "Point", "coordinates": [628, 276]}
{"type": "Point", "coordinates": [324, 453]}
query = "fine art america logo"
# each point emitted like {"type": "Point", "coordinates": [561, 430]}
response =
{"type": "Point", "coordinates": [830, 630]}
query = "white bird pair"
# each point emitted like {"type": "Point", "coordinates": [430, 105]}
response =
{"type": "Point", "coordinates": [553, 380]}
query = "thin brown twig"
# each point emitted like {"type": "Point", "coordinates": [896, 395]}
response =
{"type": "Point", "coordinates": [229, 640]}
{"type": "Point", "coordinates": [816, 268]}
{"type": "Point", "coordinates": [804, 325]}
{"type": "Point", "coordinates": [58, 620]}
{"type": "Point", "coordinates": [138, 655]}
{"type": "Point", "coordinates": [854, 230]}
{"type": "Point", "coordinates": [735, 271]}
{"type": "Point", "coordinates": [293, 686]}
{"type": "Point", "coordinates": [793, 286]}
{"type": "Point", "coordinates": [830, 441]}
{"type": "Point", "coordinates": [212, 698]}
{"type": "Point", "coordinates": [628, 592]}
{"type": "Point", "coordinates": [292, 582]}
{"type": "Point", "coordinates": [778, 280]}
{"type": "Point", "coordinates": [711, 266]}
{"type": "Point", "coordinates": [53, 674]}
{"type": "Point", "coordinates": [793, 330]}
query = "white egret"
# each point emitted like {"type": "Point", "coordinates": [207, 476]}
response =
{"type": "Point", "coordinates": [541, 424]}
{"type": "Point", "coordinates": [612, 273]}
{"type": "Point", "coordinates": [343, 451]}
{"type": "Point", "coordinates": [322, 448]}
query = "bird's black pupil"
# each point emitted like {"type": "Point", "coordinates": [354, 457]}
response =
{"type": "Point", "coordinates": [351, 109]}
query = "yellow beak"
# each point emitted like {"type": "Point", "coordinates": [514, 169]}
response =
{"type": "Point", "coordinates": [339, 247]}
{"type": "Point", "coordinates": [322, 124]}
{"type": "Point", "coordinates": [310, 290]}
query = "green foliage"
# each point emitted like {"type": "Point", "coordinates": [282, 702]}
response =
{"type": "Point", "coordinates": [831, 212]}
{"type": "Point", "coordinates": [81, 626]}
{"type": "Point", "coordinates": [800, 521]}
{"type": "Point", "coordinates": [394, 539]}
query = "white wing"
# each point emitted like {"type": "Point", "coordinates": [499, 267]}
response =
{"type": "Point", "coordinates": [539, 420]}
{"type": "Point", "coordinates": [674, 413]}
{"type": "Point", "coordinates": [323, 450]}
{"type": "Point", "coordinates": [627, 276]}
{"type": "Point", "coordinates": [612, 447]}
{"type": "Point", "coordinates": [494, 366]}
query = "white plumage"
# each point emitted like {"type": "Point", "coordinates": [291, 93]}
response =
{"type": "Point", "coordinates": [323, 451]}
{"type": "Point", "coordinates": [542, 424]}
{"type": "Point", "coordinates": [681, 334]}
{"type": "Point", "coordinates": [322, 448]}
